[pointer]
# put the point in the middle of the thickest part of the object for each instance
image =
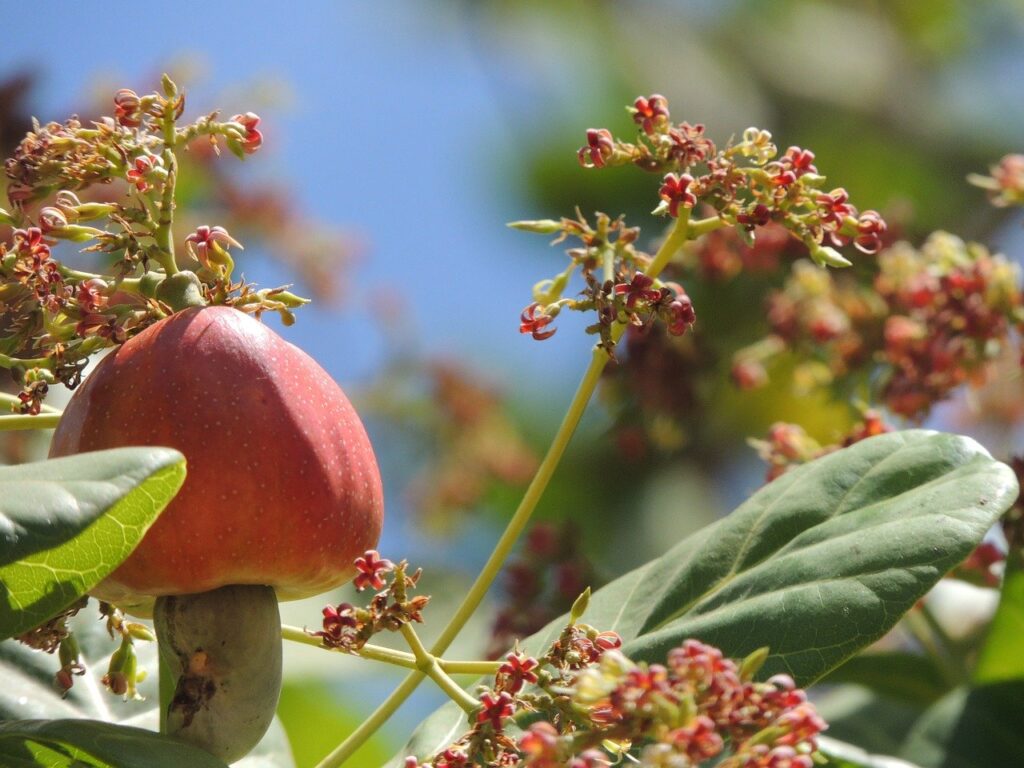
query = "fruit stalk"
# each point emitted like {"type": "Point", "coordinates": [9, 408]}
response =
{"type": "Point", "coordinates": [222, 652]}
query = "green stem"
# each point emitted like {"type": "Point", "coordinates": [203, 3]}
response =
{"type": "Point", "coordinates": [163, 235]}
{"type": "Point", "coordinates": [372, 652]}
{"type": "Point", "coordinates": [13, 400]}
{"type": "Point", "coordinates": [392, 656]}
{"type": "Point", "coordinates": [24, 421]}
{"type": "Point", "coordinates": [426, 662]}
{"type": "Point", "coordinates": [599, 359]}
{"type": "Point", "coordinates": [703, 226]}
{"type": "Point", "coordinates": [6, 361]}
{"type": "Point", "coordinates": [469, 667]}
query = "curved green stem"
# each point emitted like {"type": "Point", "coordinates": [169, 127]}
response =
{"type": "Point", "coordinates": [680, 234]}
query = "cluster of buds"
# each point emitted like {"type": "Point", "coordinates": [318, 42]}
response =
{"type": "Point", "coordinates": [952, 306]}
{"type": "Point", "coordinates": [747, 184]}
{"type": "Point", "coordinates": [697, 709]}
{"type": "Point", "coordinates": [1005, 182]}
{"type": "Point", "coordinates": [616, 289]}
{"type": "Point", "coordinates": [348, 628]}
{"type": "Point", "coordinates": [123, 672]}
{"type": "Point", "coordinates": [934, 319]}
{"type": "Point", "coordinates": [788, 445]}
{"type": "Point", "coordinates": [525, 684]}
{"type": "Point", "coordinates": [541, 584]}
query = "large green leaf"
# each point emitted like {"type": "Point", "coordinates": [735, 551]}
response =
{"type": "Point", "coordinates": [817, 565]}
{"type": "Point", "coordinates": [65, 524]}
{"type": "Point", "coordinates": [27, 692]}
{"type": "Point", "coordinates": [92, 744]}
{"type": "Point", "coordinates": [979, 728]}
{"type": "Point", "coordinates": [1001, 657]}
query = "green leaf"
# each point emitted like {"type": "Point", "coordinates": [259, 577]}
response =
{"type": "Point", "coordinates": [818, 564]}
{"type": "Point", "coordinates": [980, 728]}
{"type": "Point", "coordinates": [1000, 657]}
{"type": "Point", "coordinates": [79, 743]}
{"type": "Point", "coordinates": [66, 523]}
{"type": "Point", "coordinates": [842, 755]}
{"type": "Point", "coordinates": [902, 676]}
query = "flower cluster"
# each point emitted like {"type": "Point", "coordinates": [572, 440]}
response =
{"type": "Point", "coordinates": [696, 709]}
{"type": "Point", "coordinates": [935, 318]}
{"type": "Point", "coordinates": [747, 184]}
{"type": "Point", "coordinates": [952, 306]}
{"type": "Point", "coordinates": [348, 628]}
{"type": "Point", "coordinates": [541, 584]}
{"type": "Point", "coordinates": [524, 684]}
{"type": "Point", "coordinates": [616, 289]}
{"type": "Point", "coordinates": [55, 317]}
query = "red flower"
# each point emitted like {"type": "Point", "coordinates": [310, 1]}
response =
{"type": "Point", "coordinates": [126, 108]}
{"type": "Point", "coordinates": [800, 161]}
{"type": "Point", "coordinates": [608, 641]}
{"type": "Point", "coordinates": [650, 113]}
{"type": "Point", "coordinates": [758, 216]}
{"type": "Point", "coordinates": [253, 138]}
{"type": "Point", "coordinates": [600, 147]}
{"type": "Point", "coordinates": [638, 289]}
{"type": "Point", "coordinates": [143, 167]}
{"type": "Point", "coordinates": [870, 229]}
{"type": "Point", "coordinates": [200, 242]}
{"type": "Point", "coordinates": [533, 323]}
{"type": "Point", "coordinates": [675, 190]}
{"type": "Point", "coordinates": [495, 708]}
{"type": "Point", "coordinates": [518, 670]}
{"type": "Point", "coordinates": [371, 565]}
{"type": "Point", "coordinates": [681, 315]}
